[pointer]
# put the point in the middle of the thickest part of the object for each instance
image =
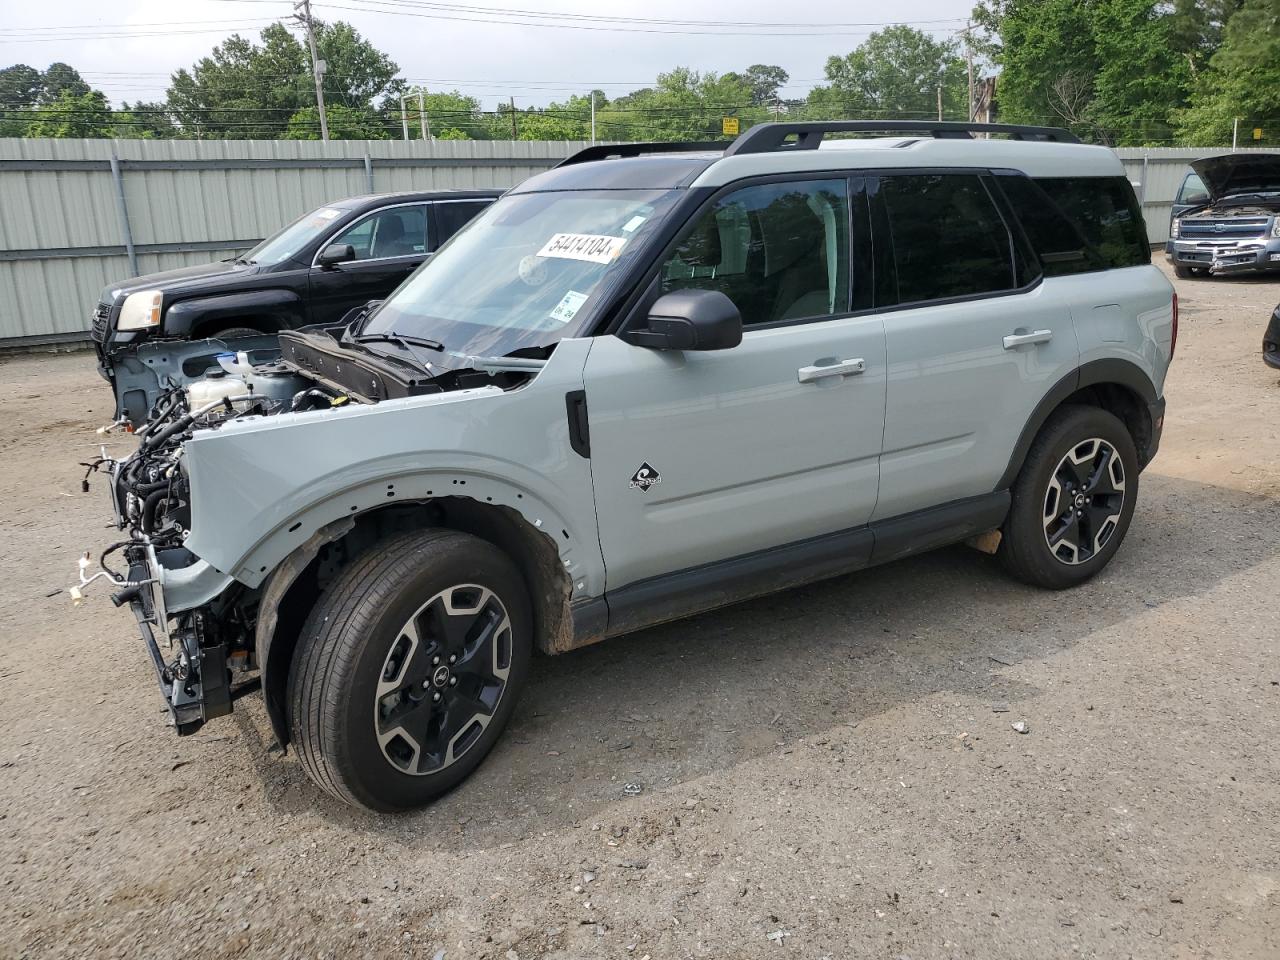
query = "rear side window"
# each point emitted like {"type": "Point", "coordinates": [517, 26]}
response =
{"type": "Point", "coordinates": [1106, 213]}
{"type": "Point", "coordinates": [453, 215]}
{"type": "Point", "coordinates": [949, 239]}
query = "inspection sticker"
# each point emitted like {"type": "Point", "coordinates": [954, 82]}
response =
{"type": "Point", "coordinates": [593, 247]}
{"type": "Point", "coordinates": [567, 308]}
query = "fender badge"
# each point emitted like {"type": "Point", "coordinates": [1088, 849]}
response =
{"type": "Point", "coordinates": [645, 477]}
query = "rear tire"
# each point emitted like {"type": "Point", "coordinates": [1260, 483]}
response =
{"type": "Point", "coordinates": [1073, 499]}
{"type": "Point", "coordinates": [408, 668]}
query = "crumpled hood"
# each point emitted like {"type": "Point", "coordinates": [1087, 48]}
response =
{"type": "Point", "coordinates": [182, 276]}
{"type": "Point", "coordinates": [1239, 173]}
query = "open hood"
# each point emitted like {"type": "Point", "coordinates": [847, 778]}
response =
{"type": "Point", "coordinates": [1239, 173]}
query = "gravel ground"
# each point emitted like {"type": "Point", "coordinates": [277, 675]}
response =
{"type": "Point", "coordinates": [823, 773]}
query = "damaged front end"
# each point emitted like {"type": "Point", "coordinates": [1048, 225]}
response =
{"type": "Point", "coordinates": [201, 616]}
{"type": "Point", "coordinates": [195, 622]}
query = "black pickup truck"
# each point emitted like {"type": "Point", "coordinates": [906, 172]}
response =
{"type": "Point", "coordinates": [314, 271]}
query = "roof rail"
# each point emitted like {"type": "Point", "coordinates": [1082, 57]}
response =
{"type": "Point", "coordinates": [604, 151]}
{"type": "Point", "coordinates": [768, 137]}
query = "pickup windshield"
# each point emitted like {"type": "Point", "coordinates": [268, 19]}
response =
{"type": "Point", "coordinates": [528, 272]}
{"type": "Point", "coordinates": [294, 238]}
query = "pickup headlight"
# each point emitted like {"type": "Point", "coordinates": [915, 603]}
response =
{"type": "Point", "coordinates": [1173, 228]}
{"type": "Point", "coordinates": [1275, 227]}
{"type": "Point", "coordinates": [141, 310]}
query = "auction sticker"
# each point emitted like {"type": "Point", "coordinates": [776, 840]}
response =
{"type": "Point", "coordinates": [593, 247]}
{"type": "Point", "coordinates": [567, 308]}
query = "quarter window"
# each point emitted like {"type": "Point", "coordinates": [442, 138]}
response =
{"type": "Point", "coordinates": [395, 232]}
{"type": "Point", "coordinates": [949, 239]}
{"type": "Point", "coordinates": [1107, 213]}
{"type": "Point", "coordinates": [779, 251]}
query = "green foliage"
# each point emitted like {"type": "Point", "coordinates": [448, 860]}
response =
{"type": "Point", "coordinates": [896, 73]}
{"type": "Point", "coordinates": [84, 115]}
{"type": "Point", "coordinates": [20, 85]}
{"type": "Point", "coordinates": [1116, 71]}
{"type": "Point", "coordinates": [1242, 80]}
{"type": "Point", "coordinates": [446, 111]}
{"type": "Point", "coordinates": [247, 90]}
{"type": "Point", "coordinates": [345, 123]}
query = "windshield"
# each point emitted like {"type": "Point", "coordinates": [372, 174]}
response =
{"type": "Point", "coordinates": [286, 244]}
{"type": "Point", "coordinates": [528, 272]}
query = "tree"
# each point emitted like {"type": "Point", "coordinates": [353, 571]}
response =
{"type": "Point", "coordinates": [1111, 70]}
{"type": "Point", "coordinates": [20, 85]}
{"type": "Point", "coordinates": [764, 81]}
{"type": "Point", "coordinates": [446, 110]}
{"type": "Point", "coordinates": [85, 115]}
{"type": "Point", "coordinates": [145, 121]}
{"type": "Point", "coordinates": [1242, 80]}
{"type": "Point", "coordinates": [894, 73]}
{"type": "Point", "coordinates": [246, 90]}
{"type": "Point", "coordinates": [61, 78]}
{"type": "Point", "coordinates": [345, 123]}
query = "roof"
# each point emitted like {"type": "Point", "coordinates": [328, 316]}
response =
{"type": "Point", "coordinates": [780, 148]}
{"type": "Point", "coordinates": [1034, 158]}
{"type": "Point", "coordinates": [408, 196]}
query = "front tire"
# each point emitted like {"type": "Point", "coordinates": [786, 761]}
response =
{"type": "Point", "coordinates": [1073, 499]}
{"type": "Point", "coordinates": [1183, 273]}
{"type": "Point", "coordinates": [408, 668]}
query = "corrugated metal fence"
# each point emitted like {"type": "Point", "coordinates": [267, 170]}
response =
{"type": "Point", "coordinates": [76, 215]}
{"type": "Point", "coordinates": [69, 212]}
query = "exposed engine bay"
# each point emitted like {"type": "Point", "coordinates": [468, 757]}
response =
{"type": "Point", "coordinates": [152, 503]}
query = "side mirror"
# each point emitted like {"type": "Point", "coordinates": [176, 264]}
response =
{"type": "Point", "coordinates": [690, 320]}
{"type": "Point", "coordinates": [1196, 198]}
{"type": "Point", "coordinates": [336, 253]}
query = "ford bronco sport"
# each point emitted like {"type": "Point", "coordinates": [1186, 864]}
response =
{"type": "Point", "coordinates": [652, 381]}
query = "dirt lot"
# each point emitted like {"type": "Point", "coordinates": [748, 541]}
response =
{"type": "Point", "coordinates": [823, 773]}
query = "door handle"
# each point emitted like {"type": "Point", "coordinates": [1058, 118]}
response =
{"type": "Point", "coordinates": [845, 368]}
{"type": "Point", "coordinates": [1018, 339]}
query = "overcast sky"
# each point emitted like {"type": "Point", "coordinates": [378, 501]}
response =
{"type": "Point", "coordinates": [128, 48]}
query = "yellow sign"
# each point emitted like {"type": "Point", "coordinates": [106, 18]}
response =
{"type": "Point", "coordinates": [1257, 133]}
{"type": "Point", "coordinates": [729, 126]}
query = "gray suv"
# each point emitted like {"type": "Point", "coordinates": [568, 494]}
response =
{"type": "Point", "coordinates": [655, 380]}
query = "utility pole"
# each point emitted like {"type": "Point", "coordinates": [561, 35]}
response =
{"type": "Point", "coordinates": [404, 118]}
{"type": "Point", "coordinates": [1235, 132]}
{"type": "Point", "coordinates": [593, 118]}
{"type": "Point", "coordinates": [939, 102]}
{"type": "Point", "coordinates": [423, 118]}
{"type": "Point", "coordinates": [317, 66]}
{"type": "Point", "coordinates": [968, 54]}
{"type": "Point", "coordinates": [515, 134]}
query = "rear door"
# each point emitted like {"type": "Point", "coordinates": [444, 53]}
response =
{"type": "Point", "coordinates": [702, 456]}
{"type": "Point", "coordinates": [389, 243]}
{"type": "Point", "coordinates": [450, 216]}
{"type": "Point", "coordinates": [974, 340]}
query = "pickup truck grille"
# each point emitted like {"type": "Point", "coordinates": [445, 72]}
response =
{"type": "Point", "coordinates": [100, 322]}
{"type": "Point", "coordinates": [1235, 228]}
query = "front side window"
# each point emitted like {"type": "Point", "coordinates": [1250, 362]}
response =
{"type": "Point", "coordinates": [779, 251]}
{"type": "Point", "coordinates": [949, 239]}
{"type": "Point", "coordinates": [395, 232]}
{"type": "Point", "coordinates": [1193, 190]}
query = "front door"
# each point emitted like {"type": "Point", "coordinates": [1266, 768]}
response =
{"type": "Point", "coordinates": [703, 456]}
{"type": "Point", "coordinates": [389, 245]}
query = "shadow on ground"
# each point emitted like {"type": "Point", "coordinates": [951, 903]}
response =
{"type": "Point", "coordinates": [675, 702]}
